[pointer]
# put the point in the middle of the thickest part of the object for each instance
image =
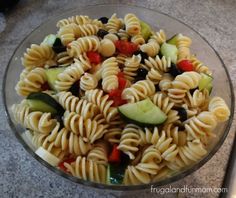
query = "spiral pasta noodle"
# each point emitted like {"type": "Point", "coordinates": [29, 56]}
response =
{"type": "Point", "coordinates": [89, 129]}
{"type": "Point", "coordinates": [183, 43]}
{"type": "Point", "coordinates": [38, 56]}
{"type": "Point", "coordinates": [179, 137]}
{"type": "Point", "coordinates": [66, 34]}
{"type": "Point", "coordinates": [20, 112]}
{"type": "Point", "coordinates": [110, 70]}
{"type": "Point", "coordinates": [201, 125]}
{"type": "Point", "coordinates": [114, 24]}
{"type": "Point", "coordinates": [80, 106]}
{"type": "Point", "coordinates": [138, 39]}
{"type": "Point", "coordinates": [161, 64]}
{"type": "Point", "coordinates": [138, 91]}
{"type": "Point", "coordinates": [70, 75]}
{"type": "Point", "coordinates": [163, 102]}
{"type": "Point", "coordinates": [41, 122]}
{"type": "Point", "coordinates": [78, 20]}
{"type": "Point", "coordinates": [219, 108]}
{"type": "Point", "coordinates": [88, 82]}
{"type": "Point", "coordinates": [165, 82]}
{"type": "Point", "coordinates": [197, 99]}
{"type": "Point", "coordinates": [113, 135]}
{"type": "Point", "coordinates": [133, 176]}
{"type": "Point", "coordinates": [199, 66]}
{"type": "Point", "coordinates": [32, 82]}
{"type": "Point", "coordinates": [87, 170]}
{"type": "Point", "coordinates": [150, 159]}
{"type": "Point", "coordinates": [98, 154]}
{"type": "Point", "coordinates": [132, 24]}
{"type": "Point", "coordinates": [97, 97]}
{"type": "Point", "coordinates": [83, 44]}
{"type": "Point", "coordinates": [151, 47]}
{"type": "Point", "coordinates": [160, 36]}
{"type": "Point", "coordinates": [63, 59]}
{"type": "Point", "coordinates": [181, 84]}
{"type": "Point", "coordinates": [130, 140]}
{"type": "Point", "coordinates": [131, 65]}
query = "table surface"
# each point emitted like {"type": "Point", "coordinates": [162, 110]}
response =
{"type": "Point", "coordinates": [23, 176]}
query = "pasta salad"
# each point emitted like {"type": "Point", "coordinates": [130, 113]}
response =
{"type": "Point", "coordinates": [112, 101]}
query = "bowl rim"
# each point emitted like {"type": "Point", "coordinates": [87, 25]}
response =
{"type": "Point", "coordinates": [100, 186]}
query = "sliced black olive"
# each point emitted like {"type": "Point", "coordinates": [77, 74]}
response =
{"type": "Point", "coordinates": [101, 33]}
{"type": "Point", "coordinates": [157, 87]}
{"type": "Point", "coordinates": [58, 46]}
{"type": "Point", "coordinates": [174, 71]}
{"type": "Point", "coordinates": [104, 20]}
{"type": "Point", "coordinates": [75, 89]}
{"type": "Point", "coordinates": [182, 114]}
{"type": "Point", "coordinates": [141, 74]}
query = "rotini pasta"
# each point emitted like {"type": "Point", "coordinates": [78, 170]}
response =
{"type": "Point", "coordinates": [32, 82]}
{"type": "Point", "coordinates": [80, 106]}
{"type": "Point", "coordinates": [87, 170]}
{"type": "Point", "coordinates": [83, 44]}
{"type": "Point", "coordinates": [89, 129]}
{"type": "Point", "coordinates": [138, 91]}
{"type": "Point", "coordinates": [160, 36]}
{"type": "Point", "coordinates": [151, 47]}
{"type": "Point", "coordinates": [219, 108]}
{"type": "Point", "coordinates": [38, 56]}
{"type": "Point", "coordinates": [104, 104]}
{"type": "Point", "coordinates": [110, 70]}
{"type": "Point", "coordinates": [70, 75]}
{"type": "Point", "coordinates": [132, 24]}
{"type": "Point", "coordinates": [131, 65]}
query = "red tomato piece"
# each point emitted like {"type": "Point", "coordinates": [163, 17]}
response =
{"type": "Point", "coordinates": [126, 47]}
{"type": "Point", "coordinates": [94, 57]}
{"type": "Point", "coordinates": [62, 166]}
{"type": "Point", "coordinates": [122, 83]}
{"type": "Point", "coordinates": [185, 65]}
{"type": "Point", "coordinates": [115, 155]}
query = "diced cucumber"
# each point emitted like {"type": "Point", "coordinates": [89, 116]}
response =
{"type": "Point", "coordinates": [173, 39]}
{"type": "Point", "coordinates": [52, 74]}
{"type": "Point", "coordinates": [143, 113]}
{"type": "Point", "coordinates": [205, 82]}
{"type": "Point", "coordinates": [169, 50]}
{"type": "Point", "coordinates": [145, 30]}
{"type": "Point", "coordinates": [47, 156]}
{"type": "Point", "coordinates": [49, 39]}
{"type": "Point", "coordinates": [44, 103]}
{"type": "Point", "coordinates": [115, 173]}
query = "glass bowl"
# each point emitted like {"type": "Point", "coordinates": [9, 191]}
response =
{"type": "Point", "coordinates": [205, 52]}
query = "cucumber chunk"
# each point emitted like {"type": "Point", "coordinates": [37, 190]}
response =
{"type": "Point", "coordinates": [44, 103]}
{"type": "Point", "coordinates": [205, 82]}
{"type": "Point", "coordinates": [145, 30]}
{"type": "Point", "coordinates": [48, 157]}
{"type": "Point", "coordinates": [52, 74]}
{"type": "Point", "coordinates": [143, 113]}
{"type": "Point", "coordinates": [173, 39]}
{"type": "Point", "coordinates": [116, 172]}
{"type": "Point", "coordinates": [169, 50]}
{"type": "Point", "coordinates": [49, 39]}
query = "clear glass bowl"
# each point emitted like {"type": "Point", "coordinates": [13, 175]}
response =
{"type": "Point", "coordinates": [222, 83]}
